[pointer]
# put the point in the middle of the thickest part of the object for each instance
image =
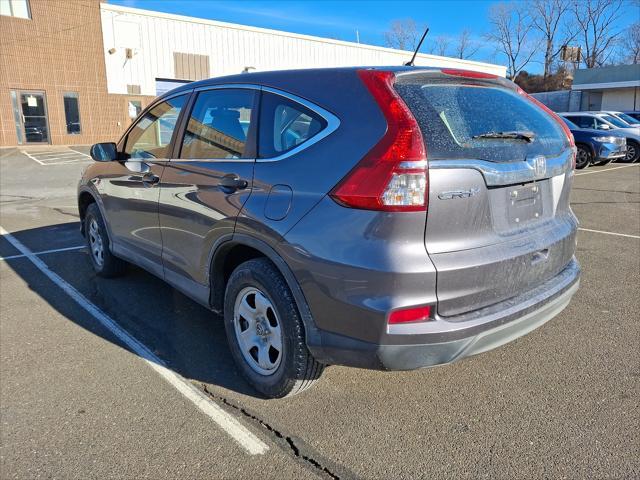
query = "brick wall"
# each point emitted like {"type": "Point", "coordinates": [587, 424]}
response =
{"type": "Point", "coordinates": [60, 50]}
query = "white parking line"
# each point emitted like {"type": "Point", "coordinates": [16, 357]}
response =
{"type": "Point", "coordinates": [55, 250]}
{"type": "Point", "coordinates": [57, 157]}
{"type": "Point", "coordinates": [609, 233]}
{"type": "Point", "coordinates": [247, 440]}
{"type": "Point", "coordinates": [607, 169]}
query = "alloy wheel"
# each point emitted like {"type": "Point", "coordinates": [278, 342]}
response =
{"type": "Point", "coordinates": [258, 331]}
{"type": "Point", "coordinates": [95, 243]}
{"type": "Point", "coordinates": [582, 158]}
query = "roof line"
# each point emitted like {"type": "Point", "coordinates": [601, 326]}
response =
{"type": "Point", "coordinates": [237, 26]}
{"type": "Point", "coordinates": [606, 85]}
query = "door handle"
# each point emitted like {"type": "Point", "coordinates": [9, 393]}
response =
{"type": "Point", "coordinates": [232, 182]}
{"type": "Point", "coordinates": [150, 178]}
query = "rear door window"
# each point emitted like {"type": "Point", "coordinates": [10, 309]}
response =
{"type": "Point", "coordinates": [219, 125]}
{"type": "Point", "coordinates": [285, 124]}
{"type": "Point", "coordinates": [453, 118]}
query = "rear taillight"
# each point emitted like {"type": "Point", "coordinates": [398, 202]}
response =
{"type": "Point", "coordinates": [557, 118]}
{"type": "Point", "coordinates": [409, 315]}
{"type": "Point", "coordinates": [392, 176]}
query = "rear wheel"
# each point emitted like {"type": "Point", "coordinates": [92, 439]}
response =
{"type": "Point", "coordinates": [104, 263]}
{"type": "Point", "coordinates": [265, 333]}
{"type": "Point", "coordinates": [583, 157]}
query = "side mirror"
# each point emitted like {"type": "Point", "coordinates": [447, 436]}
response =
{"type": "Point", "coordinates": [604, 126]}
{"type": "Point", "coordinates": [104, 152]}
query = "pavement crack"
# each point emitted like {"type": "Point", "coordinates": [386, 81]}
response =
{"type": "Point", "coordinates": [62, 212]}
{"type": "Point", "coordinates": [286, 442]}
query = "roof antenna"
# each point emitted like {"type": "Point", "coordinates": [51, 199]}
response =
{"type": "Point", "coordinates": [413, 59]}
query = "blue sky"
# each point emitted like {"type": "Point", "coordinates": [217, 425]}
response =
{"type": "Point", "coordinates": [340, 19]}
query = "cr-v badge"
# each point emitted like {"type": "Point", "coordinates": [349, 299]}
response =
{"type": "Point", "coordinates": [458, 194]}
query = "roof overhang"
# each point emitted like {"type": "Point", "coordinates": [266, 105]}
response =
{"type": "Point", "coordinates": [606, 85]}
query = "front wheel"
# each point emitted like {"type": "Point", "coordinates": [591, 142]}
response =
{"type": "Point", "coordinates": [633, 152]}
{"type": "Point", "coordinates": [583, 157]}
{"type": "Point", "coordinates": [104, 263]}
{"type": "Point", "coordinates": [265, 332]}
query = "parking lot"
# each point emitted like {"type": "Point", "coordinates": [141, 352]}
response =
{"type": "Point", "coordinates": [128, 378]}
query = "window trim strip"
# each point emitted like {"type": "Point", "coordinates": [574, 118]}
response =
{"type": "Point", "coordinates": [509, 173]}
{"type": "Point", "coordinates": [332, 123]}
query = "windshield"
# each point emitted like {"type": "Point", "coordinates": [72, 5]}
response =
{"type": "Point", "coordinates": [479, 120]}
{"type": "Point", "coordinates": [628, 118]}
{"type": "Point", "coordinates": [614, 121]}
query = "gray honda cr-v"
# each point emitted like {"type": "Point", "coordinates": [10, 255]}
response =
{"type": "Point", "coordinates": [384, 218]}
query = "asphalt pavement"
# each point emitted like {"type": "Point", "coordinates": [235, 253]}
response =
{"type": "Point", "coordinates": [78, 401]}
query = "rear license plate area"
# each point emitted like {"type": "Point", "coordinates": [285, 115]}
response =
{"type": "Point", "coordinates": [524, 203]}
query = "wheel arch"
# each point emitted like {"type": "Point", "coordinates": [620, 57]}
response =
{"type": "Point", "coordinates": [589, 147]}
{"type": "Point", "coordinates": [87, 196]}
{"type": "Point", "coordinates": [238, 248]}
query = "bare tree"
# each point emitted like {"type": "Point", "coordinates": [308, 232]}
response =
{"type": "Point", "coordinates": [512, 32]}
{"type": "Point", "coordinates": [440, 46]}
{"type": "Point", "coordinates": [548, 16]}
{"type": "Point", "coordinates": [465, 46]}
{"type": "Point", "coordinates": [631, 44]}
{"type": "Point", "coordinates": [596, 23]}
{"type": "Point", "coordinates": [402, 35]}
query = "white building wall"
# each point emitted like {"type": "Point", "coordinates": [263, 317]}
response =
{"type": "Point", "coordinates": [154, 36]}
{"type": "Point", "coordinates": [621, 99]}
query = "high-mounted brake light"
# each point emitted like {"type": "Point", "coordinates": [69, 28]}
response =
{"type": "Point", "coordinates": [392, 176]}
{"type": "Point", "coordinates": [467, 73]}
{"type": "Point", "coordinates": [557, 118]}
{"type": "Point", "coordinates": [410, 315]}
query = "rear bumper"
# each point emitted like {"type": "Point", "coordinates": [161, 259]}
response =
{"type": "Point", "coordinates": [444, 341]}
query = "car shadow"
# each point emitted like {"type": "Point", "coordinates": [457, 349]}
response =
{"type": "Point", "coordinates": [188, 337]}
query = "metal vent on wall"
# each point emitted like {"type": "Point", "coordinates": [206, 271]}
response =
{"type": "Point", "coordinates": [191, 66]}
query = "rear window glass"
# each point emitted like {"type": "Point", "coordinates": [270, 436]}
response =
{"type": "Point", "coordinates": [453, 115]}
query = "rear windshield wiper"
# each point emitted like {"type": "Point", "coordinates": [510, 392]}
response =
{"type": "Point", "coordinates": [526, 136]}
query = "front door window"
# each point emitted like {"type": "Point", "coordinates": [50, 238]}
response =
{"type": "Point", "coordinates": [34, 117]}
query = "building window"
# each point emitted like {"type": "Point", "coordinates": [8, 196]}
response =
{"type": "Point", "coordinates": [15, 8]}
{"type": "Point", "coordinates": [72, 113]}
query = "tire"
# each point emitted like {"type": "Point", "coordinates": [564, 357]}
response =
{"type": "Point", "coordinates": [633, 152]}
{"type": "Point", "coordinates": [583, 157]}
{"type": "Point", "coordinates": [265, 332]}
{"type": "Point", "coordinates": [104, 263]}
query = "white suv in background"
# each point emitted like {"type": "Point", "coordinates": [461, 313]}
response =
{"type": "Point", "coordinates": [606, 121]}
{"type": "Point", "coordinates": [628, 119]}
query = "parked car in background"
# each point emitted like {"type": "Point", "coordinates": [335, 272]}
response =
{"type": "Point", "coordinates": [605, 122]}
{"type": "Point", "coordinates": [633, 114]}
{"type": "Point", "coordinates": [323, 232]}
{"type": "Point", "coordinates": [595, 147]}
{"type": "Point", "coordinates": [628, 119]}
